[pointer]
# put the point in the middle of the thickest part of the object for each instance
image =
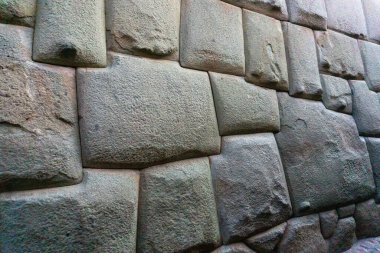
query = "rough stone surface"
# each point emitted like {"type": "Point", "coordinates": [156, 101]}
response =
{"type": "Point", "coordinates": [373, 146]}
{"type": "Point", "coordinates": [303, 71]}
{"type": "Point", "coordinates": [339, 54]}
{"type": "Point", "coordinates": [250, 187]}
{"type": "Point", "coordinates": [336, 94]}
{"type": "Point", "coordinates": [328, 221]}
{"type": "Point", "coordinates": [266, 242]}
{"type": "Point", "coordinates": [98, 215]}
{"type": "Point", "coordinates": [139, 112]}
{"type": "Point", "coordinates": [70, 33]}
{"type": "Point", "coordinates": [371, 10]}
{"type": "Point", "coordinates": [367, 218]}
{"type": "Point", "coordinates": [177, 208]}
{"type": "Point", "coordinates": [16, 42]}
{"type": "Point", "coordinates": [371, 58]}
{"type": "Point", "coordinates": [322, 143]}
{"type": "Point", "coordinates": [234, 248]}
{"type": "Point", "coordinates": [343, 237]}
{"type": "Point", "coordinates": [148, 28]}
{"type": "Point", "coordinates": [265, 51]}
{"type": "Point", "coordinates": [346, 211]}
{"type": "Point", "coordinates": [217, 46]}
{"type": "Point", "coordinates": [308, 13]}
{"type": "Point", "coordinates": [18, 12]}
{"type": "Point", "coordinates": [242, 107]}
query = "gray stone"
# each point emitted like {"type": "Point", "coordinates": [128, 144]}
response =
{"type": "Point", "coordinates": [303, 235]}
{"type": "Point", "coordinates": [250, 186]}
{"type": "Point", "coordinates": [265, 51]}
{"type": "Point", "coordinates": [70, 33]}
{"type": "Point", "coordinates": [373, 146]}
{"type": "Point", "coordinates": [266, 242]}
{"type": "Point", "coordinates": [242, 107]}
{"type": "Point", "coordinates": [371, 12]}
{"type": "Point", "coordinates": [234, 248]}
{"type": "Point", "coordinates": [148, 28]}
{"type": "Point", "coordinates": [18, 12]}
{"type": "Point", "coordinates": [98, 215]}
{"type": "Point", "coordinates": [328, 221]}
{"type": "Point", "coordinates": [339, 54]}
{"type": "Point", "coordinates": [346, 16]}
{"type": "Point", "coordinates": [344, 236]}
{"type": "Point", "coordinates": [217, 46]}
{"type": "Point", "coordinates": [336, 94]}
{"type": "Point", "coordinates": [139, 112]}
{"type": "Point", "coordinates": [16, 42]}
{"type": "Point", "coordinates": [308, 13]}
{"type": "Point", "coordinates": [322, 143]}
{"type": "Point", "coordinates": [371, 58]}
{"type": "Point", "coordinates": [177, 208]}
{"type": "Point", "coordinates": [367, 218]}
{"type": "Point", "coordinates": [346, 211]}
{"type": "Point", "coordinates": [304, 78]}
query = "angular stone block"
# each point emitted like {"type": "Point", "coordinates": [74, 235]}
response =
{"type": "Point", "coordinates": [371, 58]}
{"type": "Point", "coordinates": [242, 107]}
{"type": "Point", "coordinates": [249, 185]}
{"type": "Point", "coordinates": [139, 112]}
{"type": "Point", "coordinates": [328, 221]}
{"type": "Point", "coordinates": [367, 218]}
{"type": "Point", "coordinates": [234, 248]}
{"type": "Point", "coordinates": [304, 78]}
{"type": "Point", "coordinates": [373, 146]}
{"type": "Point", "coordinates": [18, 12]}
{"type": "Point", "coordinates": [371, 12]}
{"type": "Point", "coordinates": [336, 94]}
{"type": "Point", "coordinates": [148, 28]}
{"type": "Point", "coordinates": [265, 57]}
{"type": "Point", "coordinates": [308, 13]}
{"type": "Point", "coordinates": [217, 46]}
{"type": "Point", "coordinates": [322, 143]}
{"type": "Point", "coordinates": [16, 42]}
{"type": "Point", "coordinates": [346, 211]}
{"type": "Point", "coordinates": [343, 237]}
{"type": "Point", "coordinates": [177, 208]}
{"type": "Point", "coordinates": [98, 215]}
{"type": "Point", "coordinates": [267, 242]}
{"type": "Point", "coordinates": [70, 33]}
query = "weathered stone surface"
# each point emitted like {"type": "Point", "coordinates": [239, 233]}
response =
{"type": "Point", "coordinates": [343, 237]}
{"type": "Point", "coordinates": [266, 242]}
{"type": "Point", "coordinates": [250, 187]}
{"type": "Point", "coordinates": [242, 107]}
{"type": "Point", "coordinates": [339, 54]}
{"type": "Point", "coordinates": [346, 16]}
{"type": "Point", "coordinates": [308, 13]}
{"type": "Point", "coordinates": [322, 143]}
{"type": "Point", "coordinates": [98, 215]}
{"type": "Point", "coordinates": [336, 94]}
{"type": "Point", "coordinates": [371, 58]}
{"type": "Point", "coordinates": [265, 55]}
{"type": "Point", "coordinates": [178, 210]}
{"type": "Point", "coordinates": [303, 235]}
{"type": "Point", "coordinates": [234, 248]}
{"type": "Point", "coordinates": [304, 78]}
{"type": "Point", "coordinates": [217, 46]}
{"type": "Point", "coordinates": [18, 12]}
{"type": "Point", "coordinates": [371, 10]}
{"type": "Point", "coordinates": [139, 112]}
{"type": "Point", "coordinates": [70, 33]}
{"type": "Point", "coordinates": [367, 218]}
{"type": "Point", "coordinates": [148, 28]}
{"type": "Point", "coordinates": [366, 109]}
{"type": "Point", "coordinates": [373, 146]}
{"type": "Point", "coordinates": [346, 211]}
{"type": "Point", "coordinates": [328, 221]}
{"type": "Point", "coordinates": [16, 42]}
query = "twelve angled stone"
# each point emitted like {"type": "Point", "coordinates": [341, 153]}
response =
{"type": "Point", "coordinates": [308, 13]}
{"type": "Point", "coordinates": [373, 145]}
{"type": "Point", "coordinates": [266, 242]}
{"type": "Point", "coordinates": [371, 10]}
{"type": "Point", "coordinates": [234, 248]}
{"type": "Point", "coordinates": [371, 58]}
{"type": "Point", "coordinates": [18, 12]}
{"type": "Point", "coordinates": [336, 94]}
{"type": "Point", "coordinates": [367, 218]}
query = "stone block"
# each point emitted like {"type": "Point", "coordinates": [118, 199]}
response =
{"type": "Point", "coordinates": [70, 33]}
{"type": "Point", "coordinates": [233, 248]}
{"type": "Point", "coordinates": [371, 58]}
{"type": "Point", "coordinates": [328, 221]}
{"type": "Point", "coordinates": [322, 143]}
{"type": "Point", "coordinates": [308, 13]}
{"type": "Point", "coordinates": [177, 208]}
{"type": "Point", "coordinates": [367, 218]}
{"type": "Point", "coordinates": [346, 211]}
{"type": "Point", "coordinates": [16, 42]}
{"type": "Point", "coordinates": [267, 242]}
{"type": "Point", "coordinates": [140, 112]}
{"type": "Point", "coordinates": [302, 58]}
{"type": "Point", "coordinates": [371, 12]}
{"type": "Point", "coordinates": [336, 94]}
{"type": "Point", "coordinates": [339, 54]}
{"type": "Point", "coordinates": [242, 107]}
{"type": "Point", "coordinates": [98, 215]}
{"type": "Point", "coordinates": [344, 236]}
{"type": "Point", "coordinates": [147, 28]}
{"type": "Point", "coordinates": [217, 46]}
{"type": "Point", "coordinates": [18, 12]}
{"type": "Point", "coordinates": [373, 146]}
{"type": "Point", "coordinates": [265, 57]}
{"type": "Point", "coordinates": [249, 185]}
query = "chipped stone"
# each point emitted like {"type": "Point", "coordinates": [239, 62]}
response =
{"type": "Point", "coordinates": [346, 211]}
{"type": "Point", "coordinates": [308, 13]}
{"type": "Point", "coordinates": [266, 242]}
{"type": "Point", "coordinates": [367, 217]}
{"type": "Point", "coordinates": [371, 58]}
{"type": "Point", "coordinates": [371, 10]}
{"type": "Point", "coordinates": [328, 220]}
{"type": "Point", "coordinates": [373, 146]}
{"type": "Point", "coordinates": [344, 236]}
{"type": "Point", "coordinates": [336, 94]}
{"type": "Point", "coordinates": [18, 12]}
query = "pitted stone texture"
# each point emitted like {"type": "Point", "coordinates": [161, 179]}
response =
{"type": "Point", "coordinates": [250, 186]}
{"type": "Point", "coordinates": [371, 58]}
{"type": "Point", "coordinates": [242, 107]}
{"type": "Point", "coordinates": [346, 16]}
{"type": "Point", "coordinates": [308, 13]}
{"type": "Point", "coordinates": [367, 218]}
{"type": "Point", "coordinates": [336, 94]}
{"type": "Point", "coordinates": [139, 112]}
{"type": "Point", "coordinates": [373, 146]}
{"type": "Point", "coordinates": [346, 211]}
{"type": "Point", "coordinates": [266, 242]}
{"type": "Point", "coordinates": [322, 143]}
{"type": "Point", "coordinates": [177, 208]}
{"type": "Point", "coordinates": [98, 215]}
{"type": "Point", "coordinates": [70, 33]}
{"type": "Point", "coordinates": [371, 12]}
{"type": "Point", "coordinates": [234, 248]}
{"type": "Point", "coordinates": [148, 28]}
{"type": "Point", "coordinates": [265, 58]}
{"type": "Point", "coordinates": [366, 109]}
{"type": "Point", "coordinates": [18, 12]}
{"type": "Point", "coordinates": [217, 46]}
{"type": "Point", "coordinates": [328, 221]}
{"type": "Point", "coordinates": [344, 236]}
{"type": "Point", "coordinates": [16, 42]}
{"type": "Point", "coordinates": [303, 71]}
{"type": "Point", "coordinates": [303, 235]}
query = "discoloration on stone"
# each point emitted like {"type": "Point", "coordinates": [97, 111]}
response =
{"type": "Point", "coordinates": [18, 12]}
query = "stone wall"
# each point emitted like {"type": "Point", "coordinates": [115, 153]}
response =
{"type": "Point", "coordinates": [159, 126]}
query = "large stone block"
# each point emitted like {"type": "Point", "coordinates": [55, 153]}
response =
{"type": "Point", "coordinates": [267, 242]}
{"type": "Point", "coordinates": [336, 94]}
{"type": "Point", "coordinates": [322, 143]}
{"type": "Point", "coordinates": [371, 58]}
{"type": "Point", "coordinates": [250, 186]}
{"type": "Point", "coordinates": [18, 12]}
{"type": "Point", "coordinates": [16, 42]}
{"type": "Point", "coordinates": [177, 208]}
{"type": "Point", "coordinates": [98, 215]}
{"type": "Point", "coordinates": [242, 107]}
{"type": "Point", "coordinates": [304, 78]}
{"type": "Point", "coordinates": [367, 218]}
{"type": "Point", "coordinates": [217, 46]}
{"type": "Point", "coordinates": [234, 248]}
{"type": "Point", "coordinates": [371, 12]}
{"type": "Point", "coordinates": [343, 237]}
{"type": "Point", "coordinates": [373, 146]}
{"type": "Point", "coordinates": [139, 112]}
{"type": "Point", "coordinates": [265, 57]}
{"type": "Point", "coordinates": [70, 33]}
{"type": "Point", "coordinates": [308, 13]}
{"type": "Point", "coordinates": [148, 28]}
